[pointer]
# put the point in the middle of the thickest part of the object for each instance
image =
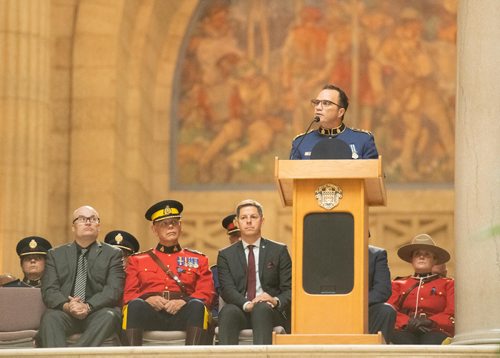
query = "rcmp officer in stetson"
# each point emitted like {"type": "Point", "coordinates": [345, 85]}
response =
{"type": "Point", "coordinates": [167, 288]}
{"type": "Point", "coordinates": [329, 108]}
{"type": "Point", "coordinates": [32, 251]}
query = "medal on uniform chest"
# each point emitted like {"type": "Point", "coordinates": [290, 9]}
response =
{"type": "Point", "coordinates": [354, 151]}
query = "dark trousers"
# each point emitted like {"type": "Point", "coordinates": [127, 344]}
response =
{"type": "Point", "coordinates": [381, 317]}
{"type": "Point", "coordinates": [56, 325]}
{"type": "Point", "coordinates": [405, 337]}
{"type": "Point", "coordinates": [262, 319]}
{"type": "Point", "coordinates": [140, 314]}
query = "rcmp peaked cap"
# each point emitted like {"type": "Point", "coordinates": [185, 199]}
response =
{"type": "Point", "coordinates": [229, 225]}
{"type": "Point", "coordinates": [123, 240]}
{"type": "Point", "coordinates": [164, 210]}
{"type": "Point", "coordinates": [423, 242]}
{"type": "Point", "coordinates": [33, 245]}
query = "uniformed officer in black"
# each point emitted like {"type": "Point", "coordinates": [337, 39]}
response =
{"type": "Point", "coordinates": [233, 234]}
{"type": "Point", "coordinates": [329, 107]}
{"type": "Point", "coordinates": [32, 251]}
{"type": "Point", "coordinates": [123, 240]}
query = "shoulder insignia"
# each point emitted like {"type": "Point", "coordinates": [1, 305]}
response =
{"type": "Point", "coordinates": [397, 278]}
{"type": "Point", "coordinates": [195, 252]}
{"type": "Point", "coordinates": [299, 135]}
{"type": "Point", "coordinates": [362, 131]}
{"type": "Point", "coordinates": [141, 252]}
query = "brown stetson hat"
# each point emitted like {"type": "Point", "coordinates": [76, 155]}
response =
{"type": "Point", "coordinates": [424, 242]}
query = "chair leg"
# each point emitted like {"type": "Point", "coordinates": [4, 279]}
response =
{"type": "Point", "coordinates": [194, 336]}
{"type": "Point", "coordinates": [134, 336]}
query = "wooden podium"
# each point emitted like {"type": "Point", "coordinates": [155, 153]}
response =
{"type": "Point", "coordinates": [330, 200]}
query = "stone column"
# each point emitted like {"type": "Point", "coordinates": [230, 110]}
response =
{"type": "Point", "coordinates": [24, 117]}
{"type": "Point", "coordinates": [477, 174]}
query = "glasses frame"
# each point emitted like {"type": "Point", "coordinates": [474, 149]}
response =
{"type": "Point", "coordinates": [324, 103]}
{"type": "Point", "coordinates": [84, 219]}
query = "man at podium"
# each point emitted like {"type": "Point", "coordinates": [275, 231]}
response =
{"type": "Point", "coordinates": [329, 108]}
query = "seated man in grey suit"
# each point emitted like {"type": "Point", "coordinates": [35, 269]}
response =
{"type": "Point", "coordinates": [255, 276]}
{"type": "Point", "coordinates": [381, 316]}
{"type": "Point", "coordinates": [82, 286]}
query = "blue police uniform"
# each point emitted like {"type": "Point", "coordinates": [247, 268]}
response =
{"type": "Point", "coordinates": [361, 143]}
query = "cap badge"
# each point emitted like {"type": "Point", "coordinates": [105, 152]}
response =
{"type": "Point", "coordinates": [167, 210]}
{"type": "Point", "coordinates": [33, 243]}
{"type": "Point", "coordinates": [328, 196]}
{"type": "Point", "coordinates": [118, 238]}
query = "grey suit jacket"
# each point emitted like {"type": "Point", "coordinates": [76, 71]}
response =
{"type": "Point", "coordinates": [275, 273]}
{"type": "Point", "coordinates": [105, 275]}
{"type": "Point", "coordinates": [379, 277]}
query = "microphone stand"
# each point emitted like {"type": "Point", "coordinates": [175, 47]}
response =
{"type": "Point", "coordinates": [315, 120]}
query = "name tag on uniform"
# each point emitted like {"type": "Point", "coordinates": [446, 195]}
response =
{"type": "Point", "coordinates": [307, 154]}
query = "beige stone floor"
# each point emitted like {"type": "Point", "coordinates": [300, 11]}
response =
{"type": "Point", "coordinates": [262, 351]}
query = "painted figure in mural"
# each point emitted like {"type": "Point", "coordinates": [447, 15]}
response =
{"type": "Point", "coordinates": [255, 277]}
{"type": "Point", "coordinates": [308, 56]}
{"type": "Point", "coordinates": [32, 252]}
{"type": "Point", "coordinates": [167, 288]}
{"type": "Point", "coordinates": [424, 301]}
{"type": "Point", "coordinates": [415, 109]}
{"type": "Point", "coordinates": [330, 106]}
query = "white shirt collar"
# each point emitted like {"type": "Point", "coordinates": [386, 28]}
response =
{"type": "Point", "coordinates": [245, 244]}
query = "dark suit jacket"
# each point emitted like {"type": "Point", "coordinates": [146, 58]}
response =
{"type": "Point", "coordinates": [379, 277]}
{"type": "Point", "coordinates": [275, 273]}
{"type": "Point", "coordinates": [105, 275]}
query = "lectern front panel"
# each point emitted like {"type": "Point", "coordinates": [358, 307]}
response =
{"type": "Point", "coordinates": [328, 253]}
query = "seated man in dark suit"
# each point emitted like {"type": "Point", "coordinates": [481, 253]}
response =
{"type": "Point", "coordinates": [82, 287]}
{"type": "Point", "coordinates": [381, 315]}
{"type": "Point", "coordinates": [255, 276]}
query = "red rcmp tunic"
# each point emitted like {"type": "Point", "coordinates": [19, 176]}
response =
{"type": "Point", "coordinates": [435, 298]}
{"type": "Point", "coordinates": [144, 276]}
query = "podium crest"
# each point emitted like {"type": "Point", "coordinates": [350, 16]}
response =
{"type": "Point", "coordinates": [328, 196]}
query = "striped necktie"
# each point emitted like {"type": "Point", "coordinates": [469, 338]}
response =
{"type": "Point", "coordinates": [81, 276]}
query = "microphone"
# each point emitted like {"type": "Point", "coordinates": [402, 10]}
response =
{"type": "Point", "coordinates": [315, 120]}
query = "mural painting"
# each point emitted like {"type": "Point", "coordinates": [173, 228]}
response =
{"type": "Point", "coordinates": [248, 70]}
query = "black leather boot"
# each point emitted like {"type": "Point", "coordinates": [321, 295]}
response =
{"type": "Point", "coordinates": [194, 336]}
{"type": "Point", "coordinates": [134, 336]}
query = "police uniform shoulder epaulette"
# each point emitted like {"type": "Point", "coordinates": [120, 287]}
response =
{"type": "Point", "coordinates": [362, 131]}
{"type": "Point", "coordinates": [140, 253]}
{"type": "Point", "coordinates": [195, 252]}
{"type": "Point", "coordinates": [397, 278]}
{"type": "Point", "coordinates": [299, 135]}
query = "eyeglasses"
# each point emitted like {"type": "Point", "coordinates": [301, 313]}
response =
{"type": "Point", "coordinates": [324, 103]}
{"type": "Point", "coordinates": [168, 222]}
{"type": "Point", "coordinates": [83, 220]}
